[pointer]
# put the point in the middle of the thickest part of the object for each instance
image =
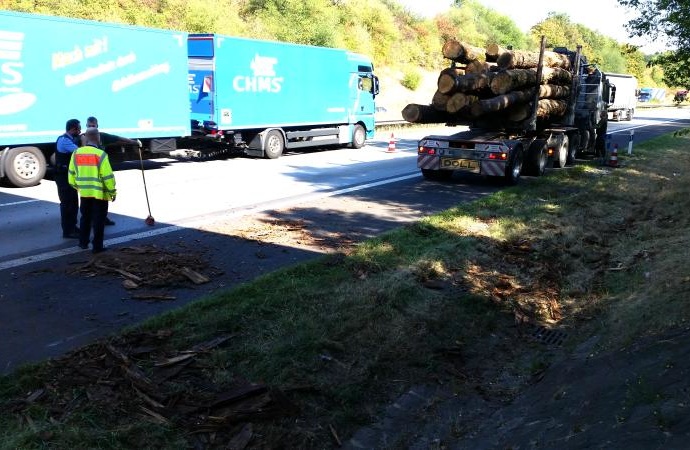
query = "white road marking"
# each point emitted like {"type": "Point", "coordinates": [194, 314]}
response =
{"type": "Point", "coordinates": [19, 203]}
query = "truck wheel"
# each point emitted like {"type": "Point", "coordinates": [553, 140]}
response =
{"type": "Point", "coordinates": [562, 152]}
{"type": "Point", "coordinates": [514, 166]}
{"type": "Point", "coordinates": [437, 175]}
{"type": "Point", "coordinates": [273, 144]}
{"type": "Point", "coordinates": [25, 166]}
{"type": "Point", "coordinates": [359, 135]}
{"type": "Point", "coordinates": [535, 163]}
{"type": "Point", "coordinates": [573, 146]}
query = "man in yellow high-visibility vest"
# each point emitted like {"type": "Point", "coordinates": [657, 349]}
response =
{"type": "Point", "coordinates": [90, 173]}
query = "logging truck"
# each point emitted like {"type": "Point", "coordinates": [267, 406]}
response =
{"type": "Point", "coordinates": [525, 111]}
{"type": "Point", "coordinates": [190, 95]}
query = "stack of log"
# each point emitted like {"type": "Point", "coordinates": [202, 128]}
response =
{"type": "Point", "coordinates": [495, 84]}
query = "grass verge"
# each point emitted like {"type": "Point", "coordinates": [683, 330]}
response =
{"type": "Point", "coordinates": [301, 357]}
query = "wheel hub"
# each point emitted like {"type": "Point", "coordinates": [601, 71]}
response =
{"type": "Point", "coordinates": [26, 166]}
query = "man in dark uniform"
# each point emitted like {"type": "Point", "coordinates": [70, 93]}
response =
{"type": "Point", "coordinates": [65, 145]}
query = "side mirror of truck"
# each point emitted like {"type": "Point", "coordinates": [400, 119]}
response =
{"type": "Point", "coordinates": [375, 87]}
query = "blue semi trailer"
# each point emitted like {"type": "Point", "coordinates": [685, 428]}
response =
{"type": "Point", "coordinates": [194, 94]}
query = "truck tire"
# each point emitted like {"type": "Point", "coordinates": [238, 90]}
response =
{"type": "Point", "coordinates": [573, 147]}
{"type": "Point", "coordinates": [25, 166]}
{"type": "Point", "coordinates": [535, 162]}
{"type": "Point", "coordinates": [437, 175]}
{"type": "Point", "coordinates": [359, 135]}
{"type": "Point", "coordinates": [562, 152]}
{"type": "Point", "coordinates": [273, 144]}
{"type": "Point", "coordinates": [514, 166]}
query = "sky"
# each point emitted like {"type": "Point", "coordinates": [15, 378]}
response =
{"type": "Point", "coordinates": [604, 16]}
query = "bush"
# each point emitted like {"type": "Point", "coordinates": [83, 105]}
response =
{"type": "Point", "coordinates": [411, 80]}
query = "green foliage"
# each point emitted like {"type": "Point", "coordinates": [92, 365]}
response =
{"type": "Point", "coordinates": [670, 20]}
{"type": "Point", "coordinates": [310, 22]}
{"type": "Point", "coordinates": [381, 29]}
{"type": "Point", "coordinates": [411, 79]}
{"type": "Point", "coordinates": [675, 67]}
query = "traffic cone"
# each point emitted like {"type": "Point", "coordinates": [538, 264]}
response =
{"type": "Point", "coordinates": [613, 159]}
{"type": "Point", "coordinates": [391, 144]}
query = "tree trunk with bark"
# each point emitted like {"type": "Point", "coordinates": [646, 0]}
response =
{"type": "Point", "coordinates": [461, 52]}
{"type": "Point", "coordinates": [550, 108]}
{"type": "Point", "coordinates": [510, 80]}
{"type": "Point", "coordinates": [556, 75]}
{"type": "Point", "coordinates": [473, 82]}
{"type": "Point", "coordinates": [522, 59]}
{"type": "Point", "coordinates": [501, 102]}
{"type": "Point", "coordinates": [493, 51]}
{"type": "Point", "coordinates": [446, 79]}
{"type": "Point", "coordinates": [479, 67]}
{"type": "Point", "coordinates": [553, 91]}
{"type": "Point", "coordinates": [416, 113]}
{"type": "Point", "coordinates": [460, 101]}
{"type": "Point", "coordinates": [440, 101]}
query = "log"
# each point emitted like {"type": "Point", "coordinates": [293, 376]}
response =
{"type": "Point", "coordinates": [472, 82]}
{"type": "Point", "coordinates": [556, 76]}
{"type": "Point", "coordinates": [493, 51]}
{"type": "Point", "coordinates": [510, 80]}
{"type": "Point", "coordinates": [501, 102]}
{"type": "Point", "coordinates": [518, 113]}
{"type": "Point", "coordinates": [439, 101]}
{"type": "Point", "coordinates": [416, 113]}
{"type": "Point", "coordinates": [459, 100]}
{"type": "Point", "coordinates": [446, 79]}
{"type": "Point", "coordinates": [522, 59]}
{"type": "Point", "coordinates": [479, 67]}
{"type": "Point", "coordinates": [461, 52]}
{"type": "Point", "coordinates": [549, 108]}
{"type": "Point", "coordinates": [553, 91]}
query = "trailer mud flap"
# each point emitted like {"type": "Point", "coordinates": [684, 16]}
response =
{"type": "Point", "coordinates": [493, 168]}
{"type": "Point", "coordinates": [428, 162]}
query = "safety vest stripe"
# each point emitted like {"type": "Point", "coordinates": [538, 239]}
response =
{"type": "Point", "coordinates": [87, 160]}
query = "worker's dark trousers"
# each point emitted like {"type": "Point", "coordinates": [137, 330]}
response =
{"type": "Point", "coordinates": [93, 212]}
{"type": "Point", "coordinates": [69, 202]}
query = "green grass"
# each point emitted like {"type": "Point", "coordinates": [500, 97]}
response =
{"type": "Point", "coordinates": [589, 248]}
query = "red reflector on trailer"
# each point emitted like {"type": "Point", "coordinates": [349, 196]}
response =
{"type": "Point", "coordinates": [427, 150]}
{"type": "Point", "coordinates": [498, 156]}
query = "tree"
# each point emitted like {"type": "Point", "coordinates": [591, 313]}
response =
{"type": "Point", "coordinates": [669, 20]}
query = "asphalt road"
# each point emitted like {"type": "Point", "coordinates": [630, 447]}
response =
{"type": "Point", "coordinates": [47, 310]}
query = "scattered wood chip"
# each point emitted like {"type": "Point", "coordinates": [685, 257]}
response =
{"type": "Point", "coordinates": [335, 435]}
{"type": "Point", "coordinates": [174, 360]}
{"type": "Point", "coordinates": [241, 439]}
{"type": "Point", "coordinates": [195, 277]}
{"type": "Point", "coordinates": [157, 418]}
{"type": "Point", "coordinates": [129, 284]}
{"type": "Point", "coordinates": [124, 273]}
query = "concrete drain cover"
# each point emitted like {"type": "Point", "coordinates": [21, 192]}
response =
{"type": "Point", "coordinates": [548, 336]}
